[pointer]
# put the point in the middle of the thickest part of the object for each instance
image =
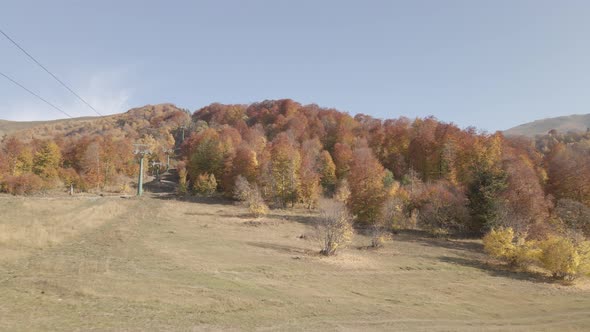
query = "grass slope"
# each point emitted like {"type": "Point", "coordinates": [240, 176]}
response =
{"type": "Point", "coordinates": [563, 124]}
{"type": "Point", "coordinates": [10, 127]}
{"type": "Point", "coordinates": [148, 119]}
{"type": "Point", "coordinates": [109, 263]}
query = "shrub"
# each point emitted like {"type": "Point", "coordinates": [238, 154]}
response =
{"type": "Point", "coordinates": [256, 204]}
{"type": "Point", "coordinates": [242, 189]}
{"type": "Point", "coordinates": [500, 244]}
{"type": "Point", "coordinates": [526, 254]}
{"type": "Point", "coordinates": [250, 196]}
{"type": "Point", "coordinates": [379, 235]}
{"type": "Point", "coordinates": [333, 227]}
{"type": "Point", "coordinates": [564, 258]}
{"type": "Point", "coordinates": [25, 184]}
{"type": "Point", "coordinates": [124, 188]}
{"type": "Point", "coordinates": [205, 184]}
{"type": "Point", "coordinates": [380, 231]}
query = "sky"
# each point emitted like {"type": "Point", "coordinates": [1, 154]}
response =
{"type": "Point", "coordinates": [488, 64]}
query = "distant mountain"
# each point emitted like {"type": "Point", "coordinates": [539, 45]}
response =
{"type": "Point", "coordinates": [155, 120]}
{"type": "Point", "coordinates": [563, 124]}
{"type": "Point", "coordinates": [9, 127]}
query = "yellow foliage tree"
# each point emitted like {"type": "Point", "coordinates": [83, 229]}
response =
{"type": "Point", "coordinates": [47, 160]}
{"type": "Point", "coordinates": [564, 258]}
{"type": "Point", "coordinates": [327, 170]}
{"type": "Point", "coordinates": [500, 243]}
{"type": "Point", "coordinates": [284, 167]}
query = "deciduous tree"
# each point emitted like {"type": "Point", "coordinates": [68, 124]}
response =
{"type": "Point", "coordinates": [285, 162]}
{"type": "Point", "coordinates": [47, 160]}
{"type": "Point", "coordinates": [366, 186]}
{"type": "Point", "coordinates": [327, 170]}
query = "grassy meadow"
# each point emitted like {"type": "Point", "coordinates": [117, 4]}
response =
{"type": "Point", "coordinates": [127, 264]}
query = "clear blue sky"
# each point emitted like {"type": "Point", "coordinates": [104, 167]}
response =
{"type": "Point", "coordinates": [491, 64]}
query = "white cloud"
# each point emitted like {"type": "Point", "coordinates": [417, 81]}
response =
{"type": "Point", "coordinates": [105, 90]}
{"type": "Point", "coordinates": [105, 93]}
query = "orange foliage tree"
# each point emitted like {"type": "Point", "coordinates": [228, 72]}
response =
{"type": "Point", "coordinates": [366, 186]}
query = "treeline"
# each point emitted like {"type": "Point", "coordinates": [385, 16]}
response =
{"type": "Point", "coordinates": [400, 172]}
{"type": "Point", "coordinates": [88, 154]}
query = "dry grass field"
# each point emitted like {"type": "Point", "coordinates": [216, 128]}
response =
{"type": "Point", "coordinates": [109, 263]}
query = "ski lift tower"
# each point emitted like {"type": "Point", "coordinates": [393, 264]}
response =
{"type": "Point", "coordinates": [168, 152]}
{"type": "Point", "coordinates": [141, 150]}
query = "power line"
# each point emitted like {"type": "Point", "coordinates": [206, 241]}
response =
{"type": "Point", "coordinates": [50, 73]}
{"type": "Point", "coordinates": [34, 94]}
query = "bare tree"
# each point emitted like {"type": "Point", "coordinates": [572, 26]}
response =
{"type": "Point", "coordinates": [250, 196]}
{"type": "Point", "coordinates": [333, 227]}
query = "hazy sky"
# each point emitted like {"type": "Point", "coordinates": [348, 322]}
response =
{"type": "Point", "coordinates": [492, 64]}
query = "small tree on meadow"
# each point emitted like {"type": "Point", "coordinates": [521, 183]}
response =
{"type": "Point", "coordinates": [250, 196]}
{"type": "Point", "coordinates": [333, 227]}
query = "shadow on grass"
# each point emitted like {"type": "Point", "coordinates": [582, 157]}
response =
{"type": "Point", "coordinates": [213, 200]}
{"type": "Point", "coordinates": [302, 219]}
{"type": "Point", "coordinates": [498, 270]}
{"type": "Point", "coordinates": [427, 239]}
{"type": "Point", "coordinates": [283, 248]}
{"type": "Point", "coordinates": [159, 187]}
{"type": "Point", "coordinates": [471, 255]}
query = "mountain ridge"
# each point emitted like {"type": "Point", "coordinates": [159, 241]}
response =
{"type": "Point", "coordinates": [563, 124]}
{"type": "Point", "coordinates": [37, 129]}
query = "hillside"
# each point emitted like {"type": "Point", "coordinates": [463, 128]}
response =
{"type": "Point", "coordinates": [563, 124]}
{"type": "Point", "coordinates": [133, 123]}
{"type": "Point", "coordinates": [153, 264]}
{"type": "Point", "coordinates": [344, 224]}
{"type": "Point", "coordinates": [9, 127]}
